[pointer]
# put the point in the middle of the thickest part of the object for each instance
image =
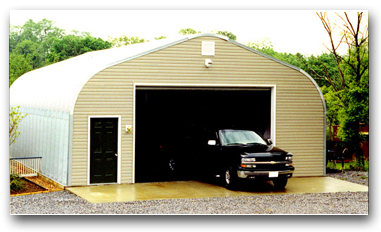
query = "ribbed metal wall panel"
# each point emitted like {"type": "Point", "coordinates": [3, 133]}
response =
{"type": "Point", "coordinates": [45, 133]}
{"type": "Point", "coordinates": [299, 106]}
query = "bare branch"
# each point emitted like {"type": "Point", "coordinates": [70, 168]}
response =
{"type": "Point", "coordinates": [325, 21]}
{"type": "Point", "coordinates": [347, 23]}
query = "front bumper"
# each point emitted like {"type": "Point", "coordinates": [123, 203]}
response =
{"type": "Point", "coordinates": [264, 174]}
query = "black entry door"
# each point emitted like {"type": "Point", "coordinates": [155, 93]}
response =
{"type": "Point", "coordinates": [103, 150]}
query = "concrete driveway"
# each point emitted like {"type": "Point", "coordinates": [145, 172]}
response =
{"type": "Point", "coordinates": [196, 189]}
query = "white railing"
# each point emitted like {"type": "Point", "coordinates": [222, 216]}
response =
{"type": "Point", "coordinates": [27, 166]}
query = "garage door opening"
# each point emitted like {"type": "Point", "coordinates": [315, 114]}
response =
{"type": "Point", "coordinates": [165, 114]}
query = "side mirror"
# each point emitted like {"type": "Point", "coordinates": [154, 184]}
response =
{"type": "Point", "coordinates": [212, 142]}
{"type": "Point", "coordinates": [269, 141]}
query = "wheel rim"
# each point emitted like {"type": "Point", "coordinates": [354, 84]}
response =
{"type": "Point", "coordinates": [227, 177]}
{"type": "Point", "coordinates": [171, 165]}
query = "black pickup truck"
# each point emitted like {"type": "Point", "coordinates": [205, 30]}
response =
{"type": "Point", "coordinates": [232, 155]}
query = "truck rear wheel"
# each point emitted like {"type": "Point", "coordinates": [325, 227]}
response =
{"type": "Point", "coordinates": [230, 179]}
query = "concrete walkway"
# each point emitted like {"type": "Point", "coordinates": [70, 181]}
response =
{"type": "Point", "coordinates": [196, 189]}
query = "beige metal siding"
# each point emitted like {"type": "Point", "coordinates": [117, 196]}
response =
{"type": "Point", "coordinates": [299, 108]}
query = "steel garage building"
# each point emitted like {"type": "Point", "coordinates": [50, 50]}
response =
{"type": "Point", "coordinates": [100, 117]}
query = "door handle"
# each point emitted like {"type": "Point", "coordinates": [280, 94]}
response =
{"type": "Point", "coordinates": [116, 154]}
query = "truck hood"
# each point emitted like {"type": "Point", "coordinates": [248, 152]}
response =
{"type": "Point", "coordinates": [262, 149]}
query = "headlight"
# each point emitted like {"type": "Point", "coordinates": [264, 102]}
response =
{"type": "Point", "coordinates": [248, 160]}
{"type": "Point", "coordinates": [289, 157]}
{"type": "Point", "coordinates": [248, 163]}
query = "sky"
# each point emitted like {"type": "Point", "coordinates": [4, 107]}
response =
{"type": "Point", "coordinates": [289, 31]}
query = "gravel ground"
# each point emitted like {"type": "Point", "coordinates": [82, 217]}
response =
{"type": "Point", "coordinates": [64, 202]}
{"type": "Point", "coordinates": [352, 176]}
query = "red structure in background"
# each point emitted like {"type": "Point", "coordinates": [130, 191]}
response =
{"type": "Point", "coordinates": [364, 145]}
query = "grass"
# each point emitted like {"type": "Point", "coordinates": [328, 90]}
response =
{"type": "Point", "coordinates": [350, 166]}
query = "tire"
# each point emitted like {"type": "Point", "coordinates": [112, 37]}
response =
{"type": "Point", "coordinates": [172, 165]}
{"type": "Point", "coordinates": [230, 179]}
{"type": "Point", "coordinates": [171, 170]}
{"type": "Point", "coordinates": [280, 183]}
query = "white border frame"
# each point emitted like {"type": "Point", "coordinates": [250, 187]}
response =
{"type": "Point", "coordinates": [273, 106]}
{"type": "Point", "coordinates": [119, 117]}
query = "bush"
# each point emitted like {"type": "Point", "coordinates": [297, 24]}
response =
{"type": "Point", "coordinates": [359, 165]}
{"type": "Point", "coordinates": [356, 167]}
{"type": "Point", "coordinates": [13, 176]}
{"type": "Point", "coordinates": [16, 183]}
{"type": "Point", "coordinates": [352, 166]}
{"type": "Point", "coordinates": [15, 117]}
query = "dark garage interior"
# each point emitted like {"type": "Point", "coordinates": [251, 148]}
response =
{"type": "Point", "coordinates": [165, 114]}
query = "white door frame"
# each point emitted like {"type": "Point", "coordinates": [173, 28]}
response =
{"type": "Point", "coordinates": [119, 117]}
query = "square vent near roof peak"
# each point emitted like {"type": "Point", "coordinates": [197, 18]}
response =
{"type": "Point", "coordinates": [207, 48]}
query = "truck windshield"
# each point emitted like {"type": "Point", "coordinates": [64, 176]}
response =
{"type": "Point", "coordinates": [240, 137]}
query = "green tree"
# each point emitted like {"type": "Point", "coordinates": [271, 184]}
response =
{"type": "Point", "coordinates": [40, 33]}
{"type": "Point", "coordinates": [349, 88]}
{"type": "Point", "coordinates": [191, 31]}
{"type": "Point", "coordinates": [227, 34]}
{"type": "Point", "coordinates": [160, 37]}
{"type": "Point", "coordinates": [15, 117]}
{"type": "Point", "coordinates": [36, 45]}
{"type": "Point", "coordinates": [265, 46]}
{"type": "Point", "coordinates": [188, 31]}
{"type": "Point", "coordinates": [333, 107]}
{"type": "Point", "coordinates": [73, 45]}
{"type": "Point", "coordinates": [318, 67]}
{"type": "Point", "coordinates": [31, 51]}
{"type": "Point", "coordinates": [321, 66]}
{"type": "Point", "coordinates": [18, 65]}
{"type": "Point", "coordinates": [124, 40]}
{"type": "Point", "coordinates": [29, 45]}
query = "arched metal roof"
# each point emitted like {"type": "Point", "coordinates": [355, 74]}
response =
{"type": "Point", "coordinates": [56, 87]}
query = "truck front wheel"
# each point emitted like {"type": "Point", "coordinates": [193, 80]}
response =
{"type": "Point", "coordinates": [172, 165]}
{"type": "Point", "coordinates": [280, 182]}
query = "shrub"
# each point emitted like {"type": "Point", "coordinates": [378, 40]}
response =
{"type": "Point", "coordinates": [352, 166]}
{"type": "Point", "coordinates": [15, 117]}
{"type": "Point", "coordinates": [13, 176]}
{"type": "Point", "coordinates": [331, 165]}
{"type": "Point", "coordinates": [16, 183]}
{"type": "Point", "coordinates": [360, 165]}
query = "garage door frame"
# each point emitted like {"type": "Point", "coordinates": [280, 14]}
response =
{"type": "Point", "coordinates": [187, 86]}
